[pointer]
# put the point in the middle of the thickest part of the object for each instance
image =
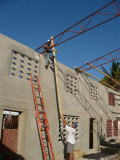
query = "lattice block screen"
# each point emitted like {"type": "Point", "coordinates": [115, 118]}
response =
{"type": "Point", "coordinates": [70, 120]}
{"type": "Point", "coordinates": [93, 92]}
{"type": "Point", "coordinates": [71, 84]}
{"type": "Point", "coordinates": [10, 122]}
{"type": "Point", "coordinates": [115, 128]}
{"type": "Point", "coordinates": [111, 99]}
{"type": "Point", "coordinates": [109, 128]}
{"type": "Point", "coordinates": [22, 66]}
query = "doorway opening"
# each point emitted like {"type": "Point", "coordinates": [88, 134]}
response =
{"type": "Point", "coordinates": [9, 138]}
{"type": "Point", "coordinates": [91, 134]}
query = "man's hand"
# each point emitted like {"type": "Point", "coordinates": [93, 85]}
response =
{"type": "Point", "coordinates": [51, 46]}
{"type": "Point", "coordinates": [64, 121]}
{"type": "Point", "coordinates": [55, 50]}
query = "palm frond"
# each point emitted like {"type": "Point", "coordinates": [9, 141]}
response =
{"type": "Point", "coordinates": [114, 73]}
{"type": "Point", "coordinates": [105, 71]}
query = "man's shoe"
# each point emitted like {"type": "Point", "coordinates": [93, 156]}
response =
{"type": "Point", "coordinates": [46, 66]}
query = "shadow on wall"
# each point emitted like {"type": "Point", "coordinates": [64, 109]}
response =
{"type": "Point", "coordinates": [83, 101]}
{"type": "Point", "coordinates": [7, 154]}
{"type": "Point", "coordinates": [66, 155]}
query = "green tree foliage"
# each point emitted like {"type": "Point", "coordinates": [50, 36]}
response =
{"type": "Point", "coordinates": [114, 73]}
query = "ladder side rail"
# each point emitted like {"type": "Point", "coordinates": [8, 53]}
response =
{"type": "Point", "coordinates": [33, 90]}
{"type": "Point", "coordinates": [42, 101]}
{"type": "Point", "coordinates": [46, 121]}
{"type": "Point", "coordinates": [43, 105]}
{"type": "Point", "coordinates": [41, 138]}
{"type": "Point", "coordinates": [50, 143]}
{"type": "Point", "coordinates": [39, 124]}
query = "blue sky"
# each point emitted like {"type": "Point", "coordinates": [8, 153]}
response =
{"type": "Point", "coordinates": [33, 22]}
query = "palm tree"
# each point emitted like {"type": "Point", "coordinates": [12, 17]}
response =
{"type": "Point", "coordinates": [114, 73]}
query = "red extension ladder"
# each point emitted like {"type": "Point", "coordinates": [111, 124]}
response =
{"type": "Point", "coordinates": [41, 119]}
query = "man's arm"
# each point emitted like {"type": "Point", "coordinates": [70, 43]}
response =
{"type": "Point", "coordinates": [64, 122]}
{"type": "Point", "coordinates": [48, 49]}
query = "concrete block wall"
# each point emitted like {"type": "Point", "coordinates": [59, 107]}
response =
{"type": "Point", "coordinates": [81, 97]}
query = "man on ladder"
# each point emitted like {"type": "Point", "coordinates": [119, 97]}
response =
{"type": "Point", "coordinates": [46, 52]}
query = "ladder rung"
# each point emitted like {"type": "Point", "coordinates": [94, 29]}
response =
{"type": "Point", "coordinates": [43, 129]}
{"type": "Point", "coordinates": [36, 88]}
{"type": "Point", "coordinates": [43, 111]}
{"type": "Point", "coordinates": [46, 142]}
{"type": "Point", "coordinates": [44, 134]}
{"type": "Point", "coordinates": [48, 150]}
{"type": "Point", "coordinates": [44, 126]}
{"type": "Point", "coordinates": [39, 104]}
{"type": "Point", "coordinates": [43, 118]}
{"type": "Point", "coordinates": [39, 117]}
{"type": "Point", "coordinates": [34, 78]}
{"type": "Point", "coordinates": [38, 97]}
{"type": "Point", "coordinates": [45, 139]}
{"type": "Point", "coordinates": [35, 83]}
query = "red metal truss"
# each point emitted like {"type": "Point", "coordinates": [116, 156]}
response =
{"type": "Point", "coordinates": [94, 20]}
{"type": "Point", "coordinates": [107, 58]}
